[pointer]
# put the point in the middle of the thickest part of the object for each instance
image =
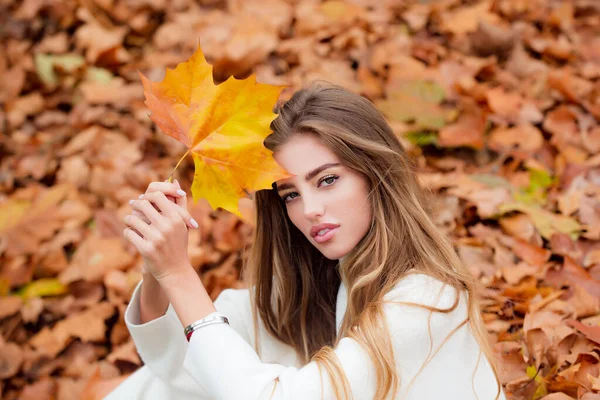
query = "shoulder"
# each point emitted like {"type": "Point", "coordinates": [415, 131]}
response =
{"type": "Point", "coordinates": [423, 289]}
{"type": "Point", "coordinates": [407, 308]}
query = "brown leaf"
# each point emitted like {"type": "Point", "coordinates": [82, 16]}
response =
{"type": "Point", "coordinates": [519, 226]}
{"type": "Point", "coordinates": [591, 332]}
{"type": "Point", "coordinates": [514, 273]}
{"type": "Point", "coordinates": [11, 359]}
{"type": "Point", "coordinates": [557, 396]}
{"type": "Point", "coordinates": [31, 310]}
{"type": "Point", "coordinates": [18, 109]}
{"type": "Point", "coordinates": [87, 325]}
{"type": "Point", "coordinates": [573, 274]}
{"type": "Point", "coordinates": [96, 256]}
{"type": "Point", "coordinates": [490, 39]}
{"type": "Point", "coordinates": [504, 104]}
{"type": "Point", "coordinates": [9, 305]}
{"type": "Point", "coordinates": [25, 223]}
{"type": "Point", "coordinates": [524, 137]}
{"type": "Point", "coordinates": [529, 253]}
{"type": "Point", "coordinates": [97, 40]}
{"type": "Point", "coordinates": [466, 131]}
{"type": "Point", "coordinates": [125, 352]}
{"type": "Point", "coordinates": [466, 19]}
{"type": "Point", "coordinates": [44, 389]}
{"type": "Point", "coordinates": [583, 303]}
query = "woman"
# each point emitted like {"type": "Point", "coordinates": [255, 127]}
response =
{"type": "Point", "coordinates": [355, 293]}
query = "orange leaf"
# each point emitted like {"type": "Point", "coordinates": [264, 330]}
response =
{"type": "Point", "coordinates": [224, 127]}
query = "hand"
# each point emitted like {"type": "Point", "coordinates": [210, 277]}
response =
{"type": "Point", "coordinates": [170, 191]}
{"type": "Point", "coordinates": [158, 228]}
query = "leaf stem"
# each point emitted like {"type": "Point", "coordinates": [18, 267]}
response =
{"type": "Point", "coordinates": [170, 178]}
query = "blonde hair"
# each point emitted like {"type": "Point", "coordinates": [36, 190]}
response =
{"type": "Point", "coordinates": [295, 286]}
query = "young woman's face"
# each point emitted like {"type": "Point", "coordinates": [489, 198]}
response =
{"type": "Point", "coordinates": [322, 195]}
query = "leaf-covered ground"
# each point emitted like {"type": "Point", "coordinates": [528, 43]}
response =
{"type": "Point", "coordinates": [497, 101]}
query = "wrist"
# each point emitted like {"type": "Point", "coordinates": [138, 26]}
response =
{"type": "Point", "coordinates": [188, 296]}
{"type": "Point", "coordinates": [178, 278]}
{"type": "Point", "coordinates": [148, 277]}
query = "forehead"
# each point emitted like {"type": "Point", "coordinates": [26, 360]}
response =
{"type": "Point", "coordinates": [303, 153]}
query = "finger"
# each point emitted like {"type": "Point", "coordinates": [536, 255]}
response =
{"type": "Point", "coordinates": [165, 187]}
{"type": "Point", "coordinates": [170, 209]}
{"type": "Point", "coordinates": [145, 207]}
{"type": "Point", "coordinates": [137, 240]}
{"type": "Point", "coordinates": [171, 198]}
{"type": "Point", "coordinates": [143, 217]}
{"type": "Point", "coordinates": [140, 216]}
{"type": "Point", "coordinates": [182, 200]}
{"type": "Point", "coordinates": [142, 227]}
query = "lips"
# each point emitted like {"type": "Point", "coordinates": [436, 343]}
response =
{"type": "Point", "coordinates": [315, 229]}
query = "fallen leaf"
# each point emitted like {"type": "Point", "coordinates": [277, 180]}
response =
{"type": "Point", "coordinates": [466, 19]}
{"type": "Point", "coordinates": [9, 305]}
{"type": "Point", "coordinates": [468, 130]}
{"type": "Point", "coordinates": [547, 223]}
{"type": "Point", "coordinates": [504, 104]}
{"type": "Point", "coordinates": [523, 137]}
{"type": "Point", "coordinates": [11, 358]}
{"type": "Point", "coordinates": [591, 332]}
{"type": "Point", "coordinates": [417, 101]}
{"type": "Point", "coordinates": [42, 287]}
{"type": "Point", "coordinates": [24, 223]}
{"type": "Point", "coordinates": [87, 325]}
{"type": "Point", "coordinates": [572, 274]}
{"type": "Point", "coordinates": [46, 64]}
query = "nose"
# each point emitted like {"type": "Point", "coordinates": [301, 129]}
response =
{"type": "Point", "coordinates": [313, 208]}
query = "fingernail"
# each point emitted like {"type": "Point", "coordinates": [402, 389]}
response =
{"type": "Point", "coordinates": [130, 201]}
{"type": "Point", "coordinates": [194, 223]}
{"type": "Point", "coordinates": [177, 183]}
{"type": "Point", "coordinates": [141, 195]}
{"type": "Point", "coordinates": [180, 192]}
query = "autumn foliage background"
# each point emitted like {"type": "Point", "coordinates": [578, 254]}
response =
{"type": "Point", "coordinates": [497, 102]}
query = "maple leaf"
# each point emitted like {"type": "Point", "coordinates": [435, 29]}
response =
{"type": "Point", "coordinates": [223, 126]}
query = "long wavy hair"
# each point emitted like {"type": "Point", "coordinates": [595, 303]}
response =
{"type": "Point", "coordinates": [295, 286]}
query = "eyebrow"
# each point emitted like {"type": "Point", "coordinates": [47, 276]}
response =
{"type": "Point", "coordinates": [308, 176]}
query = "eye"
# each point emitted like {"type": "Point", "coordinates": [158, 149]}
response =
{"type": "Point", "coordinates": [329, 179]}
{"type": "Point", "coordinates": [285, 196]}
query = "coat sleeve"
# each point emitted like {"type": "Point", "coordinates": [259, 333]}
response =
{"type": "Point", "coordinates": [161, 342]}
{"type": "Point", "coordinates": [218, 356]}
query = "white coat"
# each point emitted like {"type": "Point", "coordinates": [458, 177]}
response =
{"type": "Point", "coordinates": [219, 362]}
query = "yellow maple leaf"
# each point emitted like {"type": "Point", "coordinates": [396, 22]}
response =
{"type": "Point", "coordinates": [223, 125]}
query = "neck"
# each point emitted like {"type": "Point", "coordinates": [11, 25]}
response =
{"type": "Point", "coordinates": [340, 264]}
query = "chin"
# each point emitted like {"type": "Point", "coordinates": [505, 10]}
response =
{"type": "Point", "coordinates": [333, 254]}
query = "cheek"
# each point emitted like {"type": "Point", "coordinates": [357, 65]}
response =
{"type": "Point", "coordinates": [295, 215]}
{"type": "Point", "coordinates": [357, 207]}
{"type": "Point", "coordinates": [352, 199]}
